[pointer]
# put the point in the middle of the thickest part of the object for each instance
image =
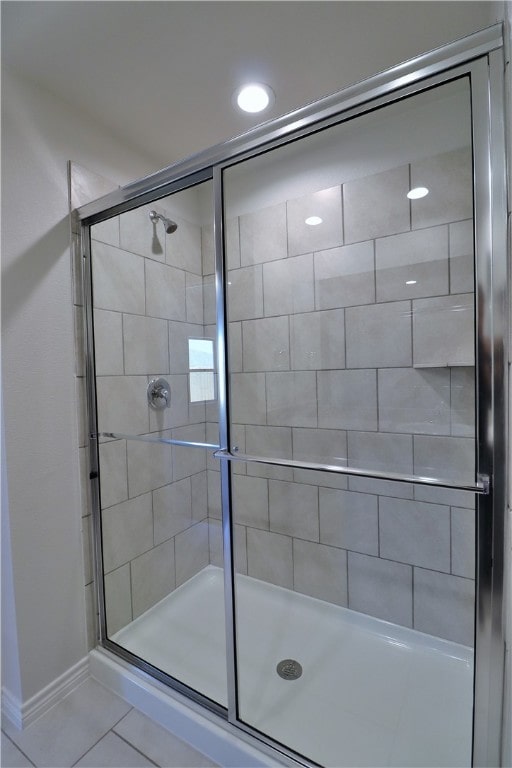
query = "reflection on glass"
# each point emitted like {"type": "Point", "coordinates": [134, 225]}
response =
{"type": "Point", "coordinates": [352, 343]}
{"type": "Point", "coordinates": [364, 322]}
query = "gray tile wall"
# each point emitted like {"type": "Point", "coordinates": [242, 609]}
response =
{"type": "Point", "coordinates": [148, 296]}
{"type": "Point", "coordinates": [338, 357]}
{"type": "Point", "coordinates": [319, 318]}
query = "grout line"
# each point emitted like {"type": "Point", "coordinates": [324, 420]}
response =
{"type": "Point", "coordinates": [374, 252]}
{"type": "Point", "coordinates": [348, 578]}
{"type": "Point", "coordinates": [262, 280]}
{"type": "Point", "coordinates": [378, 524]}
{"type": "Point", "coordinates": [145, 289]}
{"type": "Point", "coordinates": [174, 560]}
{"type": "Point", "coordinates": [449, 260]}
{"type": "Point", "coordinates": [409, 168]}
{"type": "Point", "coordinates": [315, 285]}
{"type": "Point", "coordinates": [143, 754]}
{"type": "Point", "coordinates": [377, 378]}
{"type": "Point", "coordinates": [413, 569]}
{"type": "Point", "coordinates": [344, 310]}
{"type": "Point", "coordinates": [342, 205]}
{"type": "Point", "coordinates": [131, 586]}
{"type": "Point", "coordinates": [101, 737]}
{"type": "Point", "coordinates": [4, 733]}
{"type": "Point", "coordinates": [317, 416]}
{"type": "Point", "coordinates": [450, 536]}
{"type": "Point", "coordinates": [293, 562]}
{"type": "Point", "coordinates": [286, 229]}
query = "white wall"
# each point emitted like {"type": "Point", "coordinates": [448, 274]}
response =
{"type": "Point", "coordinates": [40, 134]}
{"type": "Point", "coordinates": [10, 659]}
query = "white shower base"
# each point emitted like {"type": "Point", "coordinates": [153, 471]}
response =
{"type": "Point", "coordinates": [371, 693]}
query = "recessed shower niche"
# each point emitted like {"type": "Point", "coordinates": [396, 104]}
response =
{"type": "Point", "coordinates": [314, 492]}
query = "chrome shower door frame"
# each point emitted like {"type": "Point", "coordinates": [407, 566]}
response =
{"type": "Point", "coordinates": [479, 57]}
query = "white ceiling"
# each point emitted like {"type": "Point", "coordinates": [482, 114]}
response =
{"type": "Point", "coordinates": [160, 75]}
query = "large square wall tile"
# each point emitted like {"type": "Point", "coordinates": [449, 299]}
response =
{"type": "Point", "coordinates": [146, 345]}
{"type": "Point", "coordinates": [412, 264]}
{"type": "Point", "coordinates": [245, 293]}
{"type": "Point", "coordinates": [288, 286]}
{"type": "Point", "coordinates": [117, 279]}
{"type": "Point", "coordinates": [305, 238]}
{"type": "Point", "coordinates": [127, 531]}
{"type": "Point", "coordinates": [415, 532]}
{"type": "Point", "coordinates": [269, 557]}
{"type": "Point", "coordinates": [444, 331]}
{"type": "Point", "coordinates": [191, 552]}
{"type": "Point", "coordinates": [377, 205]}
{"type": "Point", "coordinates": [152, 577]}
{"type": "Point", "coordinates": [444, 606]}
{"type": "Point", "coordinates": [293, 509]}
{"type": "Point", "coordinates": [172, 509]}
{"type": "Point", "coordinates": [263, 235]}
{"type": "Point", "coordinates": [345, 277]}
{"type": "Point", "coordinates": [108, 343]}
{"type": "Point", "coordinates": [292, 399]}
{"type": "Point", "coordinates": [448, 177]}
{"type": "Point", "coordinates": [320, 571]}
{"type": "Point", "coordinates": [379, 335]}
{"type": "Point", "coordinates": [416, 401]}
{"type": "Point", "coordinates": [380, 588]}
{"type": "Point", "coordinates": [349, 520]}
{"type": "Point", "coordinates": [347, 399]}
{"type": "Point", "coordinates": [318, 340]}
{"type": "Point", "coordinates": [265, 344]}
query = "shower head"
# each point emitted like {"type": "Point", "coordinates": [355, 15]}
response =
{"type": "Point", "coordinates": [169, 225]}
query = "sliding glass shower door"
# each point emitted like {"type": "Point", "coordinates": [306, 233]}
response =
{"type": "Point", "coordinates": [351, 323]}
{"type": "Point", "coordinates": [154, 322]}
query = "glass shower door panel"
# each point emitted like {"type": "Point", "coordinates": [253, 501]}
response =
{"type": "Point", "coordinates": [351, 333]}
{"type": "Point", "coordinates": [155, 351]}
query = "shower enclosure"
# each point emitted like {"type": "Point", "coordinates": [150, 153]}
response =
{"type": "Point", "coordinates": [296, 389]}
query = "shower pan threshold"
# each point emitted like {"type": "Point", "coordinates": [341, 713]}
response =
{"type": "Point", "coordinates": [371, 693]}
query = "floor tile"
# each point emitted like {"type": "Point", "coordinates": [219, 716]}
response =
{"type": "Point", "coordinates": [113, 752]}
{"type": "Point", "coordinates": [158, 744]}
{"type": "Point", "coordinates": [11, 757]}
{"type": "Point", "coordinates": [63, 734]}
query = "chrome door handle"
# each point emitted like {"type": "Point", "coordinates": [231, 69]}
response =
{"type": "Point", "coordinates": [481, 486]}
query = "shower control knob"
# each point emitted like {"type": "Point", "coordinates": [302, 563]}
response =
{"type": "Point", "coordinates": [159, 394]}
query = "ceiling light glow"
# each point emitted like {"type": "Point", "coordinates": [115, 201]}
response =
{"type": "Point", "coordinates": [254, 97]}
{"type": "Point", "coordinates": [417, 193]}
{"type": "Point", "coordinates": [410, 282]}
{"type": "Point", "coordinates": [313, 221]}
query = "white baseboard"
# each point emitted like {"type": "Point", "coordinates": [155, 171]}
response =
{"type": "Point", "coordinates": [11, 708]}
{"type": "Point", "coordinates": [22, 714]}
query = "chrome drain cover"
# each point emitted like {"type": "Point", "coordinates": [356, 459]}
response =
{"type": "Point", "coordinates": [289, 669]}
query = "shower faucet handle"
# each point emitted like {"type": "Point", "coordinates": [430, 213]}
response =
{"type": "Point", "coordinates": [159, 394]}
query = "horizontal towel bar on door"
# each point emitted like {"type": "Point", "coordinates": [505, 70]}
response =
{"type": "Point", "coordinates": [482, 485]}
{"type": "Point", "coordinates": [148, 439]}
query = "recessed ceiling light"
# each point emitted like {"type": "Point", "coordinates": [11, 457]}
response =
{"type": "Point", "coordinates": [313, 221]}
{"type": "Point", "coordinates": [417, 192]}
{"type": "Point", "coordinates": [411, 282]}
{"type": "Point", "coordinates": [254, 97]}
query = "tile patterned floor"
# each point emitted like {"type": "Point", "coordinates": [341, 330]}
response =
{"type": "Point", "coordinates": [93, 728]}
